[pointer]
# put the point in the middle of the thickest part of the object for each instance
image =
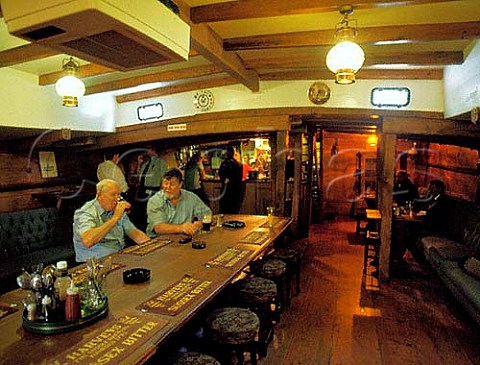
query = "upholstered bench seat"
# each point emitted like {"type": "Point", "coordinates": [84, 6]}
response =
{"type": "Point", "coordinates": [29, 238]}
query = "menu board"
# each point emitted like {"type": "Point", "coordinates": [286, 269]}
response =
{"type": "Point", "coordinates": [177, 297]}
{"type": "Point", "coordinates": [229, 258]}
{"type": "Point", "coordinates": [146, 248]}
{"type": "Point", "coordinates": [112, 343]}
{"type": "Point", "coordinates": [255, 237]}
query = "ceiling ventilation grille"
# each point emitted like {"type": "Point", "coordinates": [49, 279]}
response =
{"type": "Point", "coordinates": [123, 35]}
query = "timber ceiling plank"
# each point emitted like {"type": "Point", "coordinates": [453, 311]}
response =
{"type": "Point", "coordinates": [210, 45]}
{"type": "Point", "coordinates": [172, 75]}
{"type": "Point", "coordinates": [83, 71]}
{"type": "Point", "coordinates": [312, 60]}
{"type": "Point", "coordinates": [25, 53]}
{"type": "Point", "coordinates": [235, 10]}
{"type": "Point", "coordinates": [175, 89]}
{"type": "Point", "coordinates": [370, 35]}
{"type": "Point", "coordinates": [363, 74]}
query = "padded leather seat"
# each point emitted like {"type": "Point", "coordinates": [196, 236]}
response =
{"type": "Point", "coordinates": [258, 294]}
{"type": "Point", "coordinates": [236, 330]}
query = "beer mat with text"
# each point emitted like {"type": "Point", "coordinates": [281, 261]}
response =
{"type": "Point", "coordinates": [276, 224]}
{"type": "Point", "coordinates": [80, 273]}
{"type": "Point", "coordinates": [146, 248]}
{"type": "Point", "coordinates": [5, 310]}
{"type": "Point", "coordinates": [255, 237]}
{"type": "Point", "coordinates": [176, 297]}
{"type": "Point", "coordinates": [113, 343]}
{"type": "Point", "coordinates": [229, 258]}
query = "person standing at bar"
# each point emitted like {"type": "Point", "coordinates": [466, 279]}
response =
{"type": "Point", "coordinates": [151, 172]}
{"type": "Point", "coordinates": [173, 209]}
{"type": "Point", "coordinates": [232, 192]}
{"type": "Point", "coordinates": [194, 175]}
{"type": "Point", "coordinates": [101, 224]}
{"type": "Point", "coordinates": [112, 169]}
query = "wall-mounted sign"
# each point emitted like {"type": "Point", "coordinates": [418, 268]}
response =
{"type": "Point", "coordinates": [203, 100]}
{"type": "Point", "coordinates": [150, 111]}
{"type": "Point", "coordinates": [48, 164]}
{"type": "Point", "coordinates": [176, 127]}
{"type": "Point", "coordinates": [385, 97]}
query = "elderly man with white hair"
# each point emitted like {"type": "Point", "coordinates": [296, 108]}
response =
{"type": "Point", "coordinates": [100, 225]}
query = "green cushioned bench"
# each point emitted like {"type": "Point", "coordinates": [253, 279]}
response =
{"type": "Point", "coordinates": [28, 238]}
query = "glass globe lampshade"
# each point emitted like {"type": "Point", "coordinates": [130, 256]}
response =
{"type": "Point", "coordinates": [69, 87]}
{"type": "Point", "coordinates": [372, 140]}
{"type": "Point", "coordinates": [344, 60]}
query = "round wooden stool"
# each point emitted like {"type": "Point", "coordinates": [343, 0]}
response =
{"type": "Point", "coordinates": [274, 270]}
{"type": "Point", "coordinates": [236, 330]}
{"type": "Point", "coordinates": [291, 257]}
{"type": "Point", "coordinates": [195, 358]}
{"type": "Point", "coordinates": [258, 294]}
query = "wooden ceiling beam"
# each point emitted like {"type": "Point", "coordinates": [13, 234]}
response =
{"type": "Point", "coordinates": [25, 53]}
{"type": "Point", "coordinates": [83, 71]}
{"type": "Point", "coordinates": [372, 59]}
{"type": "Point", "coordinates": [175, 89]}
{"type": "Point", "coordinates": [172, 75]}
{"type": "Point", "coordinates": [363, 74]}
{"type": "Point", "coordinates": [371, 35]}
{"type": "Point", "coordinates": [234, 10]}
{"type": "Point", "coordinates": [210, 45]}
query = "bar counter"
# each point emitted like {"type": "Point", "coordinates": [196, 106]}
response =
{"type": "Point", "coordinates": [132, 330]}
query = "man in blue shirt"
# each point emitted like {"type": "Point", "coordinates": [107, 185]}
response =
{"type": "Point", "coordinates": [100, 225]}
{"type": "Point", "coordinates": [173, 209]}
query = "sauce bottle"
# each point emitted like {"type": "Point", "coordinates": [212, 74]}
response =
{"type": "Point", "coordinates": [72, 303]}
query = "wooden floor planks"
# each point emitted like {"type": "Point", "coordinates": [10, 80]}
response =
{"type": "Point", "coordinates": [342, 318]}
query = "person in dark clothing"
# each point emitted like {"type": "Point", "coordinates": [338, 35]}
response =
{"type": "Point", "coordinates": [438, 208]}
{"type": "Point", "coordinates": [404, 190]}
{"type": "Point", "coordinates": [232, 192]}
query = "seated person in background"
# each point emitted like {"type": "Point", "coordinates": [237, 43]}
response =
{"type": "Point", "coordinates": [438, 207]}
{"type": "Point", "coordinates": [100, 225]}
{"type": "Point", "coordinates": [173, 209]}
{"type": "Point", "coordinates": [404, 190]}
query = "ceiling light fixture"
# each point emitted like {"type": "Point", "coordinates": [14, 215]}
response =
{"type": "Point", "coordinates": [69, 87]}
{"type": "Point", "coordinates": [372, 140]}
{"type": "Point", "coordinates": [346, 57]}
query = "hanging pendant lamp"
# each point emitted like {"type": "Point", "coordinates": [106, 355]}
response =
{"type": "Point", "coordinates": [69, 87]}
{"type": "Point", "coordinates": [346, 57]}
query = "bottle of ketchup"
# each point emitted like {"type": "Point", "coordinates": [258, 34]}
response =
{"type": "Point", "coordinates": [72, 303]}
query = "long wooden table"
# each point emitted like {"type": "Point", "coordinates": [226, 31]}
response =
{"type": "Point", "coordinates": [128, 335]}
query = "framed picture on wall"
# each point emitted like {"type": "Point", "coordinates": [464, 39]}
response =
{"type": "Point", "coordinates": [48, 164]}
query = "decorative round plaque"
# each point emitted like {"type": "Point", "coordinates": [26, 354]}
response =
{"type": "Point", "coordinates": [319, 93]}
{"type": "Point", "coordinates": [203, 100]}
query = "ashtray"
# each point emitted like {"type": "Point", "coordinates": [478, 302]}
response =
{"type": "Point", "coordinates": [135, 276]}
{"type": "Point", "coordinates": [198, 245]}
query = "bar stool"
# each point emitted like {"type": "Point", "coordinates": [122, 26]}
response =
{"type": "Point", "coordinates": [274, 270]}
{"type": "Point", "coordinates": [292, 256]}
{"type": "Point", "coordinates": [195, 358]}
{"type": "Point", "coordinates": [235, 329]}
{"type": "Point", "coordinates": [371, 251]}
{"type": "Point", "coordinates": [258, 294]}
